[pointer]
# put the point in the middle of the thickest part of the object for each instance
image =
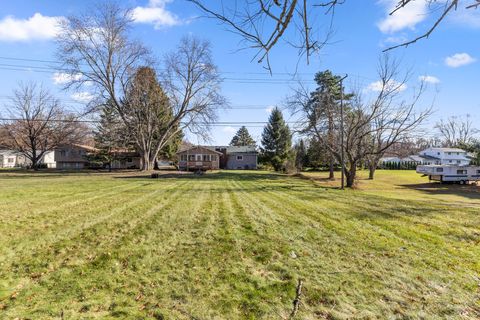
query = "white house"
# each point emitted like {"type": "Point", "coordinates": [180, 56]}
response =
{"type": "Point", "coordinates": [444, 156]}
{"type": "Point", "coordinates": [11, 159]}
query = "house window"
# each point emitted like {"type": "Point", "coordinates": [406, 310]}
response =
{"type": "Point", "coordinates": [206, 157]}
{"type": "Point", "coordinates": [438, 153]}
{"type": "Point", "coordinates": [199, 157]}
{"type": "Point", "coordinates": [449, 153]}
{"type": "Point", "coordinates": [183, 157]}
{"type": "Point", "coordinates": [461, 171]}
{"type": "Point", "coordinates": [63, 153]}
{"type": "Point", "coordinates": [458, 153]}
{"type": "Point", "coordinates": [11, 160]}
{"type": "Point", "coordinates": [449, 161]}
{"type": "Point", "coordinates": [240, 158]}
{"type": "Point", "coordinates": [191, 157]}
{"type": "Point", "coordinates": [213, 157]}
{"type": "Point", "coordinates": [458, 161]}
{"type": "Point", "coordinates": [478, 171]}
{"type": "Point", "coordinates": [129, 159]}
{"type": "Point", "coordinates": [439, 169]}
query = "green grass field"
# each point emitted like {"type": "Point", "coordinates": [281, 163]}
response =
{"type": "Point", "coordinates": [232, 245]}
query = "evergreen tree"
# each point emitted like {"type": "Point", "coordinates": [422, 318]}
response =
{"type": "Point", "coordinates": [109, 136]}
{"type": "Point", "coordinates": [242, 138]}
{"type": "Point", "coordinates": [301, 156]}
{"type": "Point", "coordinates": [326, 100]}
{"type": "Point", "coordinates": [276, 140]}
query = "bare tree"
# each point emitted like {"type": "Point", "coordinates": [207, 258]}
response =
{"type": "Point", "coordinates": [38, 124]}
{"type": "Point", "coordinates": [263, 23]}
{"type": "Point", "coordinates": [456, 130]}
{"type": "Point", "coordinates": [369, 129]}
{"type": "Point", "coordinates": [192, 82]}
{"type": "Point", "coordinates": [395, 118]}
{"type": "Point", "coordinates": [99, 53]}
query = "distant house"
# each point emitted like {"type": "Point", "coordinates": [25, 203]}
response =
{"type": "Point", "coordinates": [238, 157]}
{"type": "Point", "coordinates": [12, 159]}
{"type": "Point", "coordinates": [444, 156]}
{"type": "Point", "coordinates": [72, 156]}
{"type": "Point", "coordinates": [198, 158]}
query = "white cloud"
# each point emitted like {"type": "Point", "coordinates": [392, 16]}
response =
{"type": "Point", "coordinates": [37, 27]}
{"type": "Point", "coordinates": [459, 59]}
{"type": "Point", "coordinates": [229, 129]}
{"type": "Point", "coordinates": [405, 18]}
{"type": "Point", "coordinates": [156, 13]}
{"type": "Point", "coordinates": [61, 78]}
{"type": "Point", "coordinates": [84, 97]}
{"type": "Point", "coordinates": [377, 86]}
{"type": "Point", "coordinates": [429, 79]}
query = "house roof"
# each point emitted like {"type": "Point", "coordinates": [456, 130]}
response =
{"type": "Point", "coordinates": [445, 149]}
{"type": "Point", "coordinates": [199, 147]}
{"type": "Point", "coordinates": [235, 149]}
{"type": "Point", "coordinates": [428, 157]}
{"type": "Point", "coordinates": [241, 149]}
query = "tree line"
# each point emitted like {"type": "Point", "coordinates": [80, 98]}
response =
{"type": "Point", "coordinates": [138, 109]}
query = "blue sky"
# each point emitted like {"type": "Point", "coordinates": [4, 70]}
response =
{"type": "Point", "coordinates": [362, 29]}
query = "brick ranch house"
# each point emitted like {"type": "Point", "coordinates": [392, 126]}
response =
{"type": "Point", "coordinates": [218, 157]}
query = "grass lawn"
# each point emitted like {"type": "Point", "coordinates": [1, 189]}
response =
{"type": "Point", "coordinates": [232, 245]}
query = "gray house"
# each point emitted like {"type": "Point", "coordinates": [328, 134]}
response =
{"type": "Point", "coordinates": [237, 158]}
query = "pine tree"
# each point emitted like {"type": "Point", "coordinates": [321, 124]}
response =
{"type": "Point", "coordinates": [276, 140]}
{"type": "Point", "coordinates": [242, 138]}
{"type": "Point", "coordinates": [326, 98]}
{"type": "Point", "coordinates": [109, 135]}
{"type": "Point", "coordinates": [301, 157]}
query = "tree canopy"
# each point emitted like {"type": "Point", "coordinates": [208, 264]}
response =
{"type": "Point", "coordinates": [276, 140]}
{"type": "Point", "coordinates": [242, 138]}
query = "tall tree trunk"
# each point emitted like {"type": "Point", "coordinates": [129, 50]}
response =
{"type": "Point", "coordinates": [372, 167]}
{"type": "Point", "coordinates": [34, 164]}
{"type": "Point", "coordinates": [371, 172]}
{"type": "Point", "coordinates": [34, 160]}
{"type": "Point", "coordinates": [331, 175]}
{"type": "Point", "coordinates": [351, 174]}
{"type": "Point", "coordinates": [146, 165]}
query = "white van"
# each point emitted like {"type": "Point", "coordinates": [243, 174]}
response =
{"type": "Point", "coordinates": [450, 173]}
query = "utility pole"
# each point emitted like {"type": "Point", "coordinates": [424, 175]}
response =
{"type": "Point", "coordinates": [342, 148]}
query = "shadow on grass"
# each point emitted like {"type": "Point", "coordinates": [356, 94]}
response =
{"type": "Point", "coordinates": [220, 175]}
{"type": "Point", "coordinates": [55, 173]}
{"type": "Point", "coordinates": [433, 188]}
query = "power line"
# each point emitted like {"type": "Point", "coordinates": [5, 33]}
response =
{"type": "Point", "coordinates": [226, 108]}
{"type": "Point", "coordinates": [49, 68]}
{"type": "Point", "coordinates": [216, 123]}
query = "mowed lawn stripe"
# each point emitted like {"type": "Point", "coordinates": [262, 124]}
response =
{"type": "Point", "coordinates": [59, 221]}
{"type": "Point", "coordinates": [83, 243]}
{"type": "Point", "coordinates": [370, 233]}
{"type": "Point", "coordinates": [60, 189]}
{"type": "Point", "coordinates": [233, 245]}
{"type": "Point", "coordinates": [136, 252]}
